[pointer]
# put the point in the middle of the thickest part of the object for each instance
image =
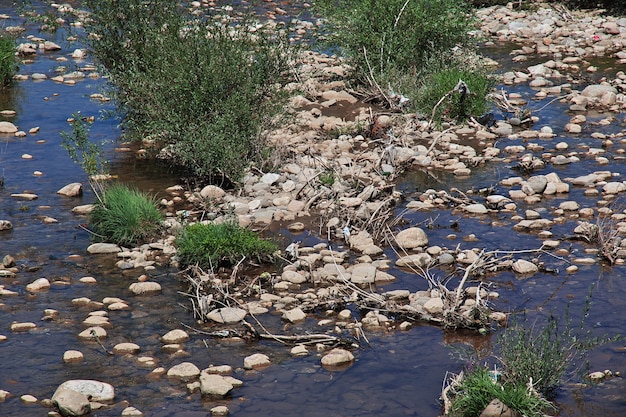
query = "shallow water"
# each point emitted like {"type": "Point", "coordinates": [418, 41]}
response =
{"type": "Point", "coordinates": [398, 374]}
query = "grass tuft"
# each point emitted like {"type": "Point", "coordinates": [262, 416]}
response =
{"type": "Point", "coordinates": [125, 216]}
{"type": "Point", "coordinates": [212, 245]}
{"type": "Point", "coordinates": [478, 389]}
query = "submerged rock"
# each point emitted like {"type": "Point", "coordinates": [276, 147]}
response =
{"type": "Point", "coordinates": [337, 357]}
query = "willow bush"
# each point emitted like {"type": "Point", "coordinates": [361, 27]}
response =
{"type": "Point", "coordinates": [201, 89]}
{"type": "Point", "coordinates": [398, 45]}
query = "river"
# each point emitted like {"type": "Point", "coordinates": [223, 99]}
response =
{"type": "Point", "coordinates": [397, 374]}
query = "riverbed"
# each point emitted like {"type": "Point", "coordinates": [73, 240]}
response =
{"type": "Point", "coordinates": [398, 373]}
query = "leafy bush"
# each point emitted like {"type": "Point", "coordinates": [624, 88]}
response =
{"type": "Point", "coordinates": [413, 48]}
{"type": "Point", "coordinates": [383, 35]}
{"type": "Point", "coordinates": [212, 245]}
{"type": "Point", "coordinates": [125, 216]}
{"type": "Point", "coordinates": [8, 63]}
{"type": "Point", "coordinates": [201, 89]}
{"type": "Point", "coordinates": [478, 388]}
{"type": "Point", "coordinates": [456, 105]}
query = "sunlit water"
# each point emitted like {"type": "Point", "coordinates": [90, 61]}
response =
{"type": "Point", "coordinates": [397, 374]}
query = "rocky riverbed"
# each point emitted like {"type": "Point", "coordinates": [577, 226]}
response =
{"type": "Point", "coordinates": [365, 246]}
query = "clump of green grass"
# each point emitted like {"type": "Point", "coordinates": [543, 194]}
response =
{"type": "Point", "coordinates": [125, 216]}
{"type": "Point", "coordinates": [8, 63]}
{"type": "Point", "coordinates": [478, 388]}
{"type": "Point", "coordinates": [212, 245]}
{"type": "Point", "coordinates": [327, 178]}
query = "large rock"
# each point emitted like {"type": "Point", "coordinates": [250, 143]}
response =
{"type": "Point", "coordinates": [94, 390]}
{"type": "Point", "coordinates": [522, 266]}
{"type": "Point", "coordinates": [598, 90]}
{"type": "Point", "coordinates": [256, 361]}
{"type": "Point", "coordinates": [294, 315]}
{"type": "Point", "coordinates": [100, 248]}
{"type": "Point", "coordinates": [294, 277]}
{"type": "Point", "coordinates": [363, 273]}
{"type": "Point", "coordinates": [420, 260]}
{"type": "Point", "coordinates": [5, 225]}
{"type": "Point", "coordinates": [337, 357]}
{"type": "Point", "coordinates": [147, 287]}
{"type": "Point", "coordinates": [185, 371]}
{"type": "Point", "coordinates": [95, 332]}
{"type": "Point", "coordinates": [70, 402]}
{"type": "Point", "coordinates": [212, 192]}
{"type": "Point", "coordinates": [175, 336]}
{"type": "Point", "coordinates": [74, 189]}
{"type": "Point", "coordinates": [412, 238]}
{"type": "Point", "coordinates": [7, 127]}
{"type": "Point", "coordinates": [213, 384]}
{"type": "Point", "coordinates": [476, 208]}
{"type": "Point", "coordinates": [39, 284]}
{"type": "Point", "coordinates": [227, 315]}
{"type": "Point", "coordinates": [126, 348]}
{"type": "Point", "coordinates": [536, 184]}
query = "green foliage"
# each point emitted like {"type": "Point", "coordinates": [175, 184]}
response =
{"type": "Point", "coordinates": [455, 105]}
{"type": "Point", "coordinates": [8, 63]}
{"type": "Point", "coordinates": [478, 388]}
{"type": "Point", "coordinates": [202, 89]}
{"type": "Point", "coordinates": [383, 35]}
{"type": "Point", "coordinates": [327, 178]}
{"type": "Point", "coordinates": [211, 245]}
{"type": "Point", "coordinates": [88, 155]}
{"type": "Point", "coordinates": [415, 48]}
{"type": "Point", "coordinates": [543, 354]}
{"type": "Point", "coordinates": [125, 216]}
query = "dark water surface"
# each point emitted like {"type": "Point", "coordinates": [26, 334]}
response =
{"type": "Point", "coordinates": [399, 374]}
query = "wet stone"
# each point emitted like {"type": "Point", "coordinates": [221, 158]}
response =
{"type": "Point", "coordinates": [256, 361]}
{"type": "Point", "coordinates": [185, 371]}
{"type": "Point", "coordinates": [73, 356]}
{"type": "Point", "coordinates": [144, 288]}
{"type": "Point", "coordinates": [337, 357]}
{"type": "Point", "coordinates": [126, 348]}
{"type": "Point", "coordinates": [95, 390]}
{"type": "Point", "coordinates": [213, 384]}
{"type": "Point", "coordinates": [227, 315]}
{"type": "Point", "coordinates": [411, 238]}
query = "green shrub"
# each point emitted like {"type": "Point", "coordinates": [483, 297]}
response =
{"type": "Point", "coordinates": [544, 354]}
{"type": "Point", "coordinates": [383, 35]}
{"type": "Point", "coordinates": [212, 245]}
{"type": "Point", "coordinates": [8, 63]}
{"type": "Point", "coordinates": [125, 216]}
{"type": "Point", "coordinates": [478, 388]}
{"type": "Point", "coordinates": [202, 89]}
{"type": "Point", "coordinates": [455, 105]}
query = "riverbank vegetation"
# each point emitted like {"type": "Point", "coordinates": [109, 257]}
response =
{"type": "Point", "coordinates": [209, 246]}
{"type": "Point", "coordinates": [8, 63]}
{"type": "Point", "coordinates": [411, 54]}
{"type": "Point", "coordinates": [199, 90]}
{"type": "Point", "coordinates": [530, 362]}
{"type": "Point", "coordinates": [125, 216]}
